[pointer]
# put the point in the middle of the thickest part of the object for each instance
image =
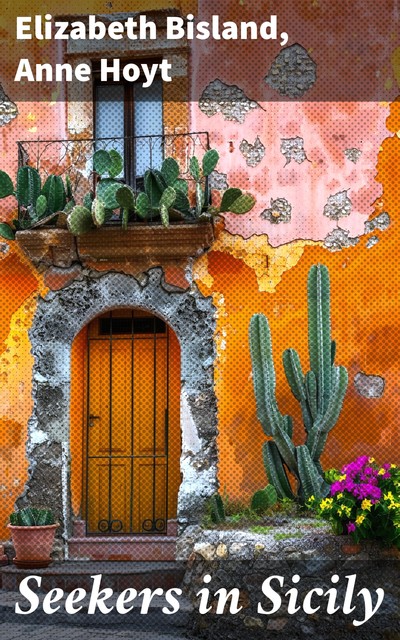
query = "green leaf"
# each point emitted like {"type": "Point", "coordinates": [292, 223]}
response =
{"type": "Point", "coordinates": [194, 168]}
{"type": "Point", "coordinates": [181, 202]}
{"type": "Point", "coordinates": [170, 171]}
{"type": "Point", "coordinates": [79, 220]}
{"type": "Point", "coordinates": [164, 215]}
{"type": "Point", "coordinates": [6, 185]}
{"type": "Point", "coordinates": [142, 206]}
{"type": "Point", "coordinates": [182, 186]}
{"type": "Point", "coordinates": [210, 161]}
{"type": "Point", "coordinates": [41, 206]}
{"type": "Point", "coordinates": [168, 197]}
{"type": "Point", "coordinates": [102, 162]}
{"type": "Point", "coordinates": [54, 191]}
{"type": "Point", "coordinates": [68, 187]}
{"type": "Point", "coordinates": [88, 200]}
{"type": "Point", "coordinates": [98, 212]}
{"type": "Point", "coordinates": [106, 192]}
{"type": "Point", "coordinates": [243, 204]}
{"type": "Point", "coordinates": [6, 231]}
{"type": "Point", "coordinates": [117, 163]}
{"type": "Point", "coordinates": [28, 186]}
{"type": "Point", "coordinates": [229, 197]}
{"type": "Point", "coordinates": [126, 198]}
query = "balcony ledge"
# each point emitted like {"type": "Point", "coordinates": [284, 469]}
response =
{"type": "Point", "coordinates": [140, 246]}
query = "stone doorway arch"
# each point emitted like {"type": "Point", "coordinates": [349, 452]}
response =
{"type": "Point", "coordinates": [58, 319]}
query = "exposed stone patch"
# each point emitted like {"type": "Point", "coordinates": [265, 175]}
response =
{"type": "Point", "coordinates": [314, 554]}
{"type": "Point", "coordinates": [279, 211]}
{"type": "Point", "coordinates": [371, 242]}
{"type": "Point", "coordinates": [380, 222]}
{"type": "Point", "coordinates": [4, 249]}
{"type": "Point", "coordinates": [59, 318]}
{"type": "Point", "coordinates": [229, 100]}
{"type": "Point", "coordinates": [45, 486]}
{"type": "Point", "coordinates": [339, 239]}
{"type": "Point", "coordinates": [293, 149]}
{"type": "Point", "coordinates": [338, 206]}
{"type": "Point", "coordinates": [293, 72]}
{"type": "Point", "coordinates": [253, 153]}
{"type": "Point", "coordinates": [218, 181]}
{"type": "Point", "coordinates": [369, 386]}
{"type": "Point", "coordinates": [8, 109]}
{"type": "Point", "coordinates": [353, 154]}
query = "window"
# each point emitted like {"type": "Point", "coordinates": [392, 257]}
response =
{"type": "Point", "coordinates": [133, 117]}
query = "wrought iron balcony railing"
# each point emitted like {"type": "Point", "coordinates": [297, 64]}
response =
{"type": "Point", "coordinates": [74, 157]}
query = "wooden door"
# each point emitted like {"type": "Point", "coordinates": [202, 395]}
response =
{"type": "Point", "coordinates": [128, 434]}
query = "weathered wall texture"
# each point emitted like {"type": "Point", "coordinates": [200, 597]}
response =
{"type": "Point", "coordinates": [319, 172]}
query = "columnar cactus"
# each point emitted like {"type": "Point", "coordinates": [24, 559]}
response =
{"type": "Point", "coordinates": [320, 393]}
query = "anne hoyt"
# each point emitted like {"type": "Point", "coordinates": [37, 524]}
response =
{"type": "Point", "coordinates": [272, 598]}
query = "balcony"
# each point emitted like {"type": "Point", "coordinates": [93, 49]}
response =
{"type": "Point", "coordinates": [144, 243]}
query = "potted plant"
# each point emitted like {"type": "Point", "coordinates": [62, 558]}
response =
{"type": "Point", "coordinates": [363, 502]}
{"type": "Point", "coordinates": [32, 533]}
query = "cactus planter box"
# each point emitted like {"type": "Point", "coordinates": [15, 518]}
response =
{"type": "Point", "coordinates": [140, 244]}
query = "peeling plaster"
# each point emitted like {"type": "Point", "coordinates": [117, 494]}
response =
{"type": "Point", "coordinates": [253, 153]}
{"type": "Point", "coordinates": [339, 239]}
{"type": "Point", "coordinates": [371, 242]}
{"type": "Point", "coordinates": [369, 386]}
{"type": "Point", "coordinates": [353, 154]}
{"type": "Point", "coordinates": [8, 109]}
{"type": "Point", "coordinates": [218, 181]}
{"type": "Point", "coordinates": [380, 222]}
{"type": "Point", "coordinates": [293, 149]}
{"type": "Point", "coordinates": [229, 100]}
{"type": "Point", "coordinates": [268, 263]}
{"type": "Point", "coordinates": [280, 211]}
{"type": "Point", "coordinates": [338, 205]}
{"type": "Point", "coordinates": [293, 72]}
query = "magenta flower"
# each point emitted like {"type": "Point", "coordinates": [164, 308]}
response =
{"type": "Point", "coordinates": [351, 527]}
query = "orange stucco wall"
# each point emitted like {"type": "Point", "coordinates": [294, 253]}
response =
{"type": "Point", "coordinates": [251, 268]}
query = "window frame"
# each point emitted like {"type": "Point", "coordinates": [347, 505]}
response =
{"type": "Point", "coordinates": [130, 175]}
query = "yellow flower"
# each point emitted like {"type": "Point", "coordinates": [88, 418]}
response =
{"type": "Point", "coordinates": [381, 472]}
{"type": "Point", "coordinates": [339, 496]}
{"type": "Point", "coordinates": [344, 510]}
{"type": "Point", "coordinates": [326, 503]}
{"type": "Point", "coordinates": [343, 477]}
{"type": "Point", "coordinates": [393, 466]}
{"type": "Point", "coordinates": [366, 505]}
{"type": "Point", "coordinates": [360, 519]}
{"type": "Point", "coordinates": [388, 496]}
{"type": "Point", "coordinates": [371, 460]}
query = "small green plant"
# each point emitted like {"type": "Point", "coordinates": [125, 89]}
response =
{"type": "Point", "coordinates": [320, 393]}
{"type": "Point", "coordinates": [217, 509]}
{"type": "Point", "coordinates": [260, 529]}
{"type": "Point", "coordinates": [264, 499]}
{"type": "Point", "coordinates": [286, 536]}
{"type": "Point", "coordinates": [32, 517]}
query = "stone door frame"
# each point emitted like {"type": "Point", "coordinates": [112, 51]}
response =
{"type": "Point", "coordinates": [60, 316]}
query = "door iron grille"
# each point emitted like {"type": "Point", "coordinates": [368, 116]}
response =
{"type": "Point", "coordinates": [127, 425]}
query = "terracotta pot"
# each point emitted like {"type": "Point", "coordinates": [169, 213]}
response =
{"type": "Point", "coordinates": [351, 548]}
{"type": "Point", "coordinates": [33, 545]}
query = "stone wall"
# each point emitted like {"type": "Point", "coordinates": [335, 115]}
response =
{"type": "Point", "coordinates": [304, 557]}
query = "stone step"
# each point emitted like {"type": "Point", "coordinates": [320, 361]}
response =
{"type": "Point", "coordinates": [116, 575]}
{"type": "Point", "coordinates": [124, 548]}
{"type": "Point", "coordinates": [150, 623]}
{"type": "Point", "coordinates": [129, 548]}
